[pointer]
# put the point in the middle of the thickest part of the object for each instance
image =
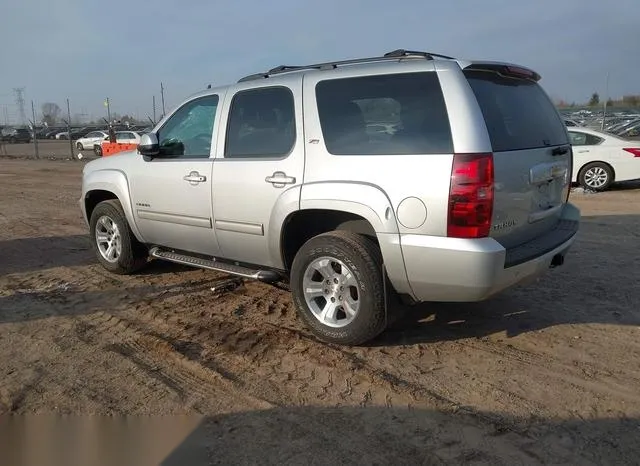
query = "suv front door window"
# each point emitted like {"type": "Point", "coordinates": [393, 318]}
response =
{"type": "Point", "coordinates": [188, 133]}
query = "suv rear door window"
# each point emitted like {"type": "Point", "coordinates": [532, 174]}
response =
{"type": "Point", "coordinates": [390, 114]}
{"type": "Point", "coordinates": [261, 123]}
{"type": "Point", "coordinates": [518, 113]}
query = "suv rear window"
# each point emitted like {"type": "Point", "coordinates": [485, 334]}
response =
{"type": "Point", "coordinates": [518, 113]}
{"type": "Point", "coordinates": [390, 114]}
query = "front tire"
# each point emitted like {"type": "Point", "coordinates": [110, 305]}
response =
{"type": "Point", "coordinates": [115, 246]}
{"type": "Point", "coordinates": [337, 286]}
{"type": "Point", "coordinates": [596, 176]}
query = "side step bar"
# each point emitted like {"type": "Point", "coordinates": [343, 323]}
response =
{"type": "Point", "coordinates": [212, 264]}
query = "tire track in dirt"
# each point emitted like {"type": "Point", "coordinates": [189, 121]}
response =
{"type": "Point", "coordinates": [193, 383]}
{"type": "Point", "coordinates": [581, 374]}
{"type": "Point", "coordinates": [261, 353]}
{"type": "Point", "coordinates": [252, 338]}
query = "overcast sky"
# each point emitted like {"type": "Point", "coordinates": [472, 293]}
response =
{"type": "Point", "coordinates": [87, 50]}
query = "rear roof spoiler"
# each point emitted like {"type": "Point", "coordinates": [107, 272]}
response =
{"type": "Point", "coordinates": [505, 69]}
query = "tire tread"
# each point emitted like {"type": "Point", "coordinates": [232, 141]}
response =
{"type": "Point", "coordinates": [361, 330]}
{"type": "Point", "coordinates": [134, 255]}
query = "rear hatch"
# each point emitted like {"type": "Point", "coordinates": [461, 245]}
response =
{"type": "Point", "coordinates": [531, 151]}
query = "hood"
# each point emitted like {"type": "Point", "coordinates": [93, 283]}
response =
{"type": "Point", "coordinates": [113, 162]}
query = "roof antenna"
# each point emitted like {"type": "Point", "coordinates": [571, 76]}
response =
{"type": "Point", "coordinates": [209, 86]}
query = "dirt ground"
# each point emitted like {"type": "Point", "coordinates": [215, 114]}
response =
{"type": "Point", "coordinates": [548, 373]}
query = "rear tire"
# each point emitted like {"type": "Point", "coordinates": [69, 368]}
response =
{"type": "Point", "coordinates": [338, 289]}
{"type": "Point", "coordinates": [114, 244]}
{"type": "Point", "coordinates": [596, 176]}
{"type": "Point", "coordinates": [80, 146]}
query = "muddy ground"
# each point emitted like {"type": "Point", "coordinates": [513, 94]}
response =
{"type": "Point", "coordinates": [544, 373]}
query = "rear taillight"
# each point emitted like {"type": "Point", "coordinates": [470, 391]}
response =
{"type": "Point", "coordinates": [470, 196]}
{"type": "Point", "coordinates": [635, 152]}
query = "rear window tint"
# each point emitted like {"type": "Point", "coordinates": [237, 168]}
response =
{"type": "Point", "coordinates": [386, 114]}
{"type": "Point", "coordinates": [518, 113]}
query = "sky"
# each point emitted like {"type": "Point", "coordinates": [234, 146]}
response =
{"type": "Point", "coordinates": [87, 50]}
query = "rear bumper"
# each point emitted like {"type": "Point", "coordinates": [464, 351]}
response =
{"type": "Point", "coordinates": [463, 270]}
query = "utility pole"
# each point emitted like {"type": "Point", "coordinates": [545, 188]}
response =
{"type": "Point", "coordinates": [19, 92]}
{"type": "Point", "coordinates": [154, 109]}
{"type": "Point", "coordinates": [73, 155]}
{"type": "Point", "coordinates": [35, 136]}
{"type": "Point", "coordinates": [6, 116]}
{"type": "Point", "coordinates": [107, 104]}
{"type": "Point", "coordinates": [164, 112]}
{"type": "Point", "coordinates": [606, 98]}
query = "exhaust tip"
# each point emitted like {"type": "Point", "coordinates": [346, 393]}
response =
{"type": "Point", "coordinates": [557, 260]}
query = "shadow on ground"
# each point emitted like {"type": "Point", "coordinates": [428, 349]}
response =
{"type": "Point", "coordinates": [307, 435]}
{"type": "Point", "coordinates": [34, 254]}
{"type": "Point", "coordinates": [397, 436]}
{"type": "Point", "coordinates": [26, 255]}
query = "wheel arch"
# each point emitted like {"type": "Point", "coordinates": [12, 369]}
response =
{"type": "Point", "coordinates": [104, 185]}
{"type": "Point", "coordinates": [357, 207]}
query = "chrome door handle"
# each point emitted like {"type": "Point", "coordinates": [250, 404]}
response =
{"type": "Point", "coordinates": [583, 151]}
{"type": "Point", "coordinates": [279, 179]}
{"type": "Point", "coordinates": [194, 177]}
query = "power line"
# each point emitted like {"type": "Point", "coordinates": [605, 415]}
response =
{"type": "Point", "coordinates": [19, 92]}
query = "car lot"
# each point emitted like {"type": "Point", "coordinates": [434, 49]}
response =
{"type": "Point", "coordinates": [544, 373]}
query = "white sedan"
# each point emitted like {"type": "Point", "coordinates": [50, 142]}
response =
{"type": "Point", "coordinates": [90, 140]}
{"type": "Point", "coordinates": [600, 158]}
{"type": "Point", "coordinates": [128, 137]}
{"type": "Point", "coordinates": [122, 137]}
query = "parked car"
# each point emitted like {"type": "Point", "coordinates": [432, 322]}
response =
{"type": "Point", "coordinates": [122, 137]}
{"type": "Point", "coordinates": [600, 159]}
{"type": "Point", "coordinates": [128, 137]}
{"type": "Point", "coordinates": [632, 131]}
{"type": "Point", "coordinates": [90, 140]}
{"type": "Point", "coordinates": [467, 199]}
{"type": "Point", "coordinates": [52, 132]}
{"type": "Point", "coordinates": [620, 129]}
{"type": "Point", "coordinates": [16, 135]}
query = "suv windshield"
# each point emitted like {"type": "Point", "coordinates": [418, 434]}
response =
{"type": "Point", "coordinates": [518, 113]}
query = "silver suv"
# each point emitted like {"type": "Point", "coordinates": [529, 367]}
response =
{"type": "Point", "coordinates": [411, 174]}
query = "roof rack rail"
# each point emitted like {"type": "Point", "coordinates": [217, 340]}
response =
{"type": "Point", "coordinates": [393, 55]}
{"type": "Point", "coordinates": [406, 53]}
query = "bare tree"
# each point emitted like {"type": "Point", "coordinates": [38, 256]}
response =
{"type": "Point", "coordinates": [50, 113]}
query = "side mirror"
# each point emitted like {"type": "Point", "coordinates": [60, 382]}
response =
{"type": "Point", "coordinates": [149, 144]}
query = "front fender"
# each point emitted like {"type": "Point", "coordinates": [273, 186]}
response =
{"type": "Point", "coordinates": [114, 181]}
{"type": "Point", "coordinates": [371, 203]}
